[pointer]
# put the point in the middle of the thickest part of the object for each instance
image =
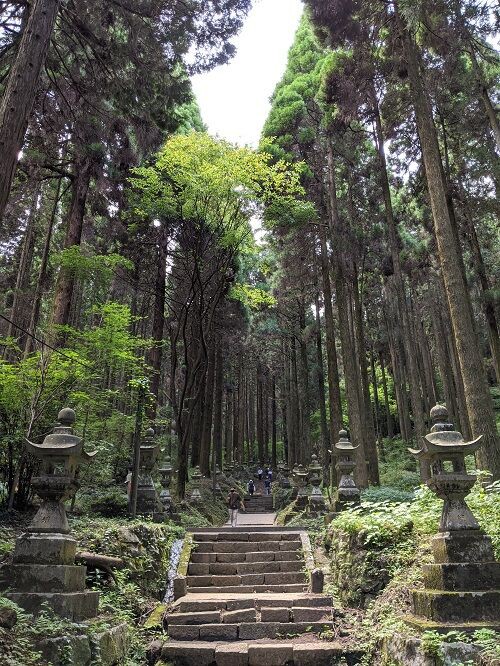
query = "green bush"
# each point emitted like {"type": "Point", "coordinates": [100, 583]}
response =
{"type": "Point", "coordinates": [386, 494]}
{"type": "Point", "coordinates": [109, 503]}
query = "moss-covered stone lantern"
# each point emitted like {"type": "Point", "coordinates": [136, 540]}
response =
{"type": "Point", "coordinates": [347, 492]}
{"type": "Point", "coordinates": [196, 477]}
{"type": "Point", "coordinates": [316, 499]}
{"type": "Point", "coordinates": [147, 499]}
{"type": "Point", "coordinates": [462, 586]}
{"type": "Point", "coordinates": [43, 568]}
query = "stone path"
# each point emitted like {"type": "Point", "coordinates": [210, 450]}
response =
{"type": "Point", "coordinates": [263, 519]}
{"type": "Point", "coordinates": [249, 603]}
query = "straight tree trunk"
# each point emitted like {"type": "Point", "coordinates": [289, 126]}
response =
{"type": "Point", "coordinates": [274, 455]}
{"type": "Point", "coordinates": [445, 368]}
{"type": "Point", "coordinates": [335, 404]}
{"type": "Point", "coordinates": [388, 415]}
{"type": "Point", "coordinates": [74, 227]}
{"type": "Point", "coordinates": [42, 274]}
{"type": "Point", "coordinates": [320, 377]}
{"type": "Point", "coordinates": [370, 438]}
{"type": "Point", "coordinates": [228, 429]}
{"type": "Point", "coordinates": [409, 346]}
{"type": "Point", "coordinates": [19, 305]}
{"type": "Point", "coordinates": [207, 419]}
{"type": "Point", "coordinates": [21, 88]}
{"type": "Point", "coordinates": [241, 414]}
{"type": "Point", "coordinates": [260, 417]}
{"type": "Point", "coordinates": [304, 401]}
{"type": "Point", "coordinates": [477, 394]}
{"type": "Point", "coordinates": [294, 441]}
{"type": "Point", "coordinates": [218, 390]}
{"type": "Point", "coordinates": [156, 352]}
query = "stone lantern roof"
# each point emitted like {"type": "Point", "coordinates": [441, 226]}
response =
{"type": "Point", "coordinates": [61, 442]}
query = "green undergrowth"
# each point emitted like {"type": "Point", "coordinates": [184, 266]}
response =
{"type": "Point", "coordinates": [145, 548]}
{"type": "Point", "coordinates": [143, 545]}
{"type": "Point", "coordinates": [376, 553]}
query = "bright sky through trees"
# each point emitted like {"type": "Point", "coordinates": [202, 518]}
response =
{"type": "Point", "coordinates": [234, 98]}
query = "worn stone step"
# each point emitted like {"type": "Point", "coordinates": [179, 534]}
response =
{"type": "Point", "coordinates": [191, 603]}
{"type": "Point", "coordinates": [240, 589]}
{"type": "Point", "coordinates": [244, 630]}
{"type": "Point", "coordinates": [280, 578]}
{"type": "Point", "coordinates": [242, 568]}
{"type": "Point", "coordinates": [246, 546]}
{"type": "Point", "coordinates": [241, 558]}
{"type": "Point", "coordinates": [308, 614]}
{"type": "Point", "coordinates": [198, 617]}
{"type": "Point", "coordinates": [237, 534]}
{"type": "Point", "coordinates": [246, 653]}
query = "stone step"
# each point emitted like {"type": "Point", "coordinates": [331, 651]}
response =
{"type": "Point", "coordinates": [276, 653]}
{"type": "Point", "coordinates": [245, 546]}
{"type": "Point", "coordinates": [244, 630]}
{"type": "Point", "coordinates": [283, 578]}
{"type": "Point", "coordinates": [241, 558]}
{"type": "Point", "coordinates": [248, 589]}
{"type": "Point", "coordinates": [238, 568]}
{"type": "Point", "coordinates": [281, 614]}
{"type": "Point", "coordinates": [239, 534]}
{"type": "Point", "coordinates": [190, 603]}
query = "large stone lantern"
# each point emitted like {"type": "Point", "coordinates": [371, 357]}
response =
{"type": "Point", "coordinates": [196, 477]}
{"type": "Point", "coordinates": [285, 476]}
{"type": "Point", "coordinates": [165, 471]}
{"type": "Point", "coordinates": [43, 568]}
{"type": "Point", "coordinates": [316, 499]}
{"type": "Point", "coordinates": [445, 450]}
{"type": "Point", "coordinates": [147, 500]}
{"type": "Point", "coordinates": [462, 587]}
{"type": "Point", "coordinates": [347, 492]}
{"type": "Point", "coordinates": [302, 497]}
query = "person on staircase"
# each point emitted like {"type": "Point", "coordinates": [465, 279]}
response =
{"type": "Point", "coordinates": [260, 473]}
{"type": "Point", "coordinates": [267, 486]}
{"type": "Point", "coordinates": [234, 502]}
{"type": "Point", "coordinates": [251, 487]}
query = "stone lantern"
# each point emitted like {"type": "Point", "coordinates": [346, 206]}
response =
{"type": "Point", "coordinates": [285, 476]}
{"type": "Point", "coordinates": [43, 568]}
{"type": "Point", "coordinates": [218, 476]}
{"type": "Point", "coordinates": [302, 497]}
{"type": "Point", "coordinates": [196, 477]}
{"type": "Point", "coordinates": [316, 499]}
{"type": "Point", "coordinates": [147, 499]}
{"type": "Point", "coordinates": [347, 493]}
{"type": "Point", "coordinates": [165, 471]}
{"type": "Point", "coordinates": [462, 587]}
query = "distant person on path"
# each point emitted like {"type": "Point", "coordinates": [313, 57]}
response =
{"type": "Point", "coordinates": [128, 481]}
{"type": "Point", "coordinates": [234, 502]}
{"type": "Point", "coordinates": [260, 473]}
{"type": "Point", "coordinates": [267, 486]}
{"type": "Point", "coordinates": [251, 487]}
{"type": "Point", "coordinates": [270, 474]}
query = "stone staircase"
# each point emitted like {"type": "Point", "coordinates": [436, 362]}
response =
{"type": "Point", "coordinates": [248, 603]}
{"type": "Point", "coordinates": [259, 503]}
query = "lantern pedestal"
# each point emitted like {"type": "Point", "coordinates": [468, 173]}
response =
{"type": "Point", "coordinates": [43, 568]}
{"type": "Point", "coordinates": [462, 586]}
